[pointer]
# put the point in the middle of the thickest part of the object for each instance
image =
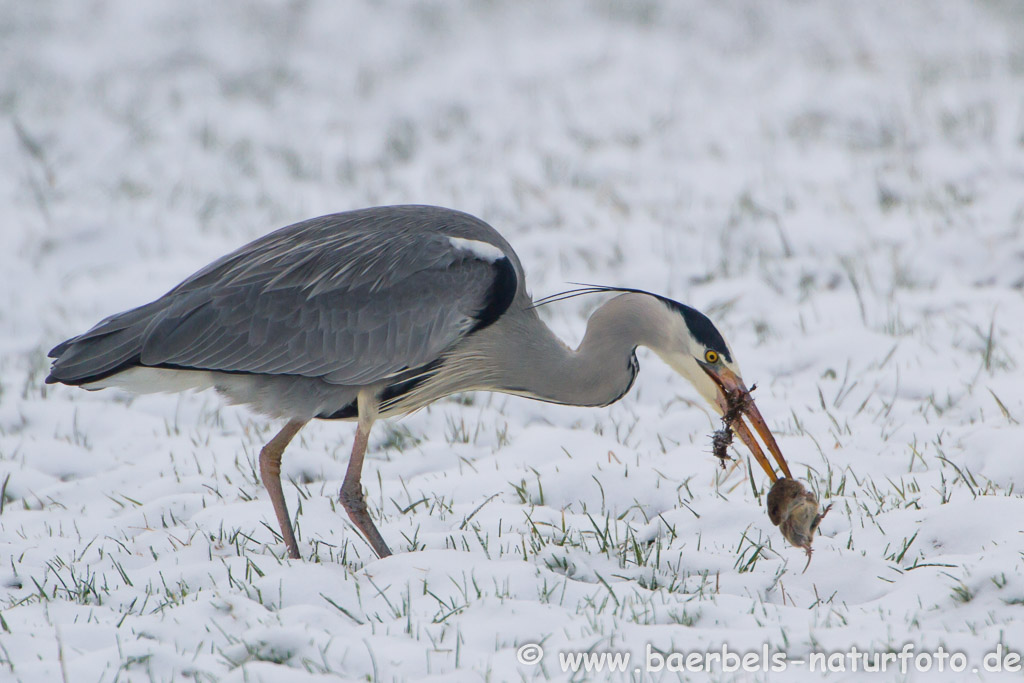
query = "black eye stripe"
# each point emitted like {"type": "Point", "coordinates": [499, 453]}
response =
{"type": "Point", "coordinates": [701, 328]}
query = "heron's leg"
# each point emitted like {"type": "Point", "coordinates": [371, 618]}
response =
{"type": "Point", "coordinates": [352, 488]}
{"type": "Point", "coordinates": [270, 472]}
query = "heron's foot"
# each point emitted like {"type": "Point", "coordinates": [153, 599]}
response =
{"type": "Point", "coordinates": [355, 505]}
{"type": "Point", "coordinates": [270, 472]}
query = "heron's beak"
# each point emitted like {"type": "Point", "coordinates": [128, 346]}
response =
{"type": "Point", "coordinates": [729, 384]}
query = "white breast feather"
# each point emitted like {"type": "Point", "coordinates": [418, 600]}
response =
{"type": "Point", "coordinates": [481, 250]}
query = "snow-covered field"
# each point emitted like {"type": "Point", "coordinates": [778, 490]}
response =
{"type": "Point", "coordinates": [839, 185]}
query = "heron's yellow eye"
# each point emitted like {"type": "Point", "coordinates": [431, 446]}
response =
{"type": "Point", "coordinates": [711, 356]}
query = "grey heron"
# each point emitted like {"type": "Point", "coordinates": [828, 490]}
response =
{"type": "Point", "coordinates": [378, 312]}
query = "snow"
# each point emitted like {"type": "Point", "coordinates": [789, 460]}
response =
{"type": "Point", "coordinates": [839, 186]}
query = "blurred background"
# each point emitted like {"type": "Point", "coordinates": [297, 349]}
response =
{"type": "Point", "coordinates": [658, 142]}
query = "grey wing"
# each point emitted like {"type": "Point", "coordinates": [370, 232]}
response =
{"type": "Point", "coordinates": [352, 299]}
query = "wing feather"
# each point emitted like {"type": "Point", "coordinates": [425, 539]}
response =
{"type": "Point", "coordinates": [352, 298]}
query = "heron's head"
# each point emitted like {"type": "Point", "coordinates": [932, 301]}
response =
{"type": "Point", "coordinates": [698, 351]}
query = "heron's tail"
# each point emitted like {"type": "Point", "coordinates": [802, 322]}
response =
{"type": "Point", "coordinates": [111, 346]}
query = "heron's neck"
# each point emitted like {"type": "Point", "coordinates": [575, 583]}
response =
{"type": "Point", "coordinates": [601, 370]}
